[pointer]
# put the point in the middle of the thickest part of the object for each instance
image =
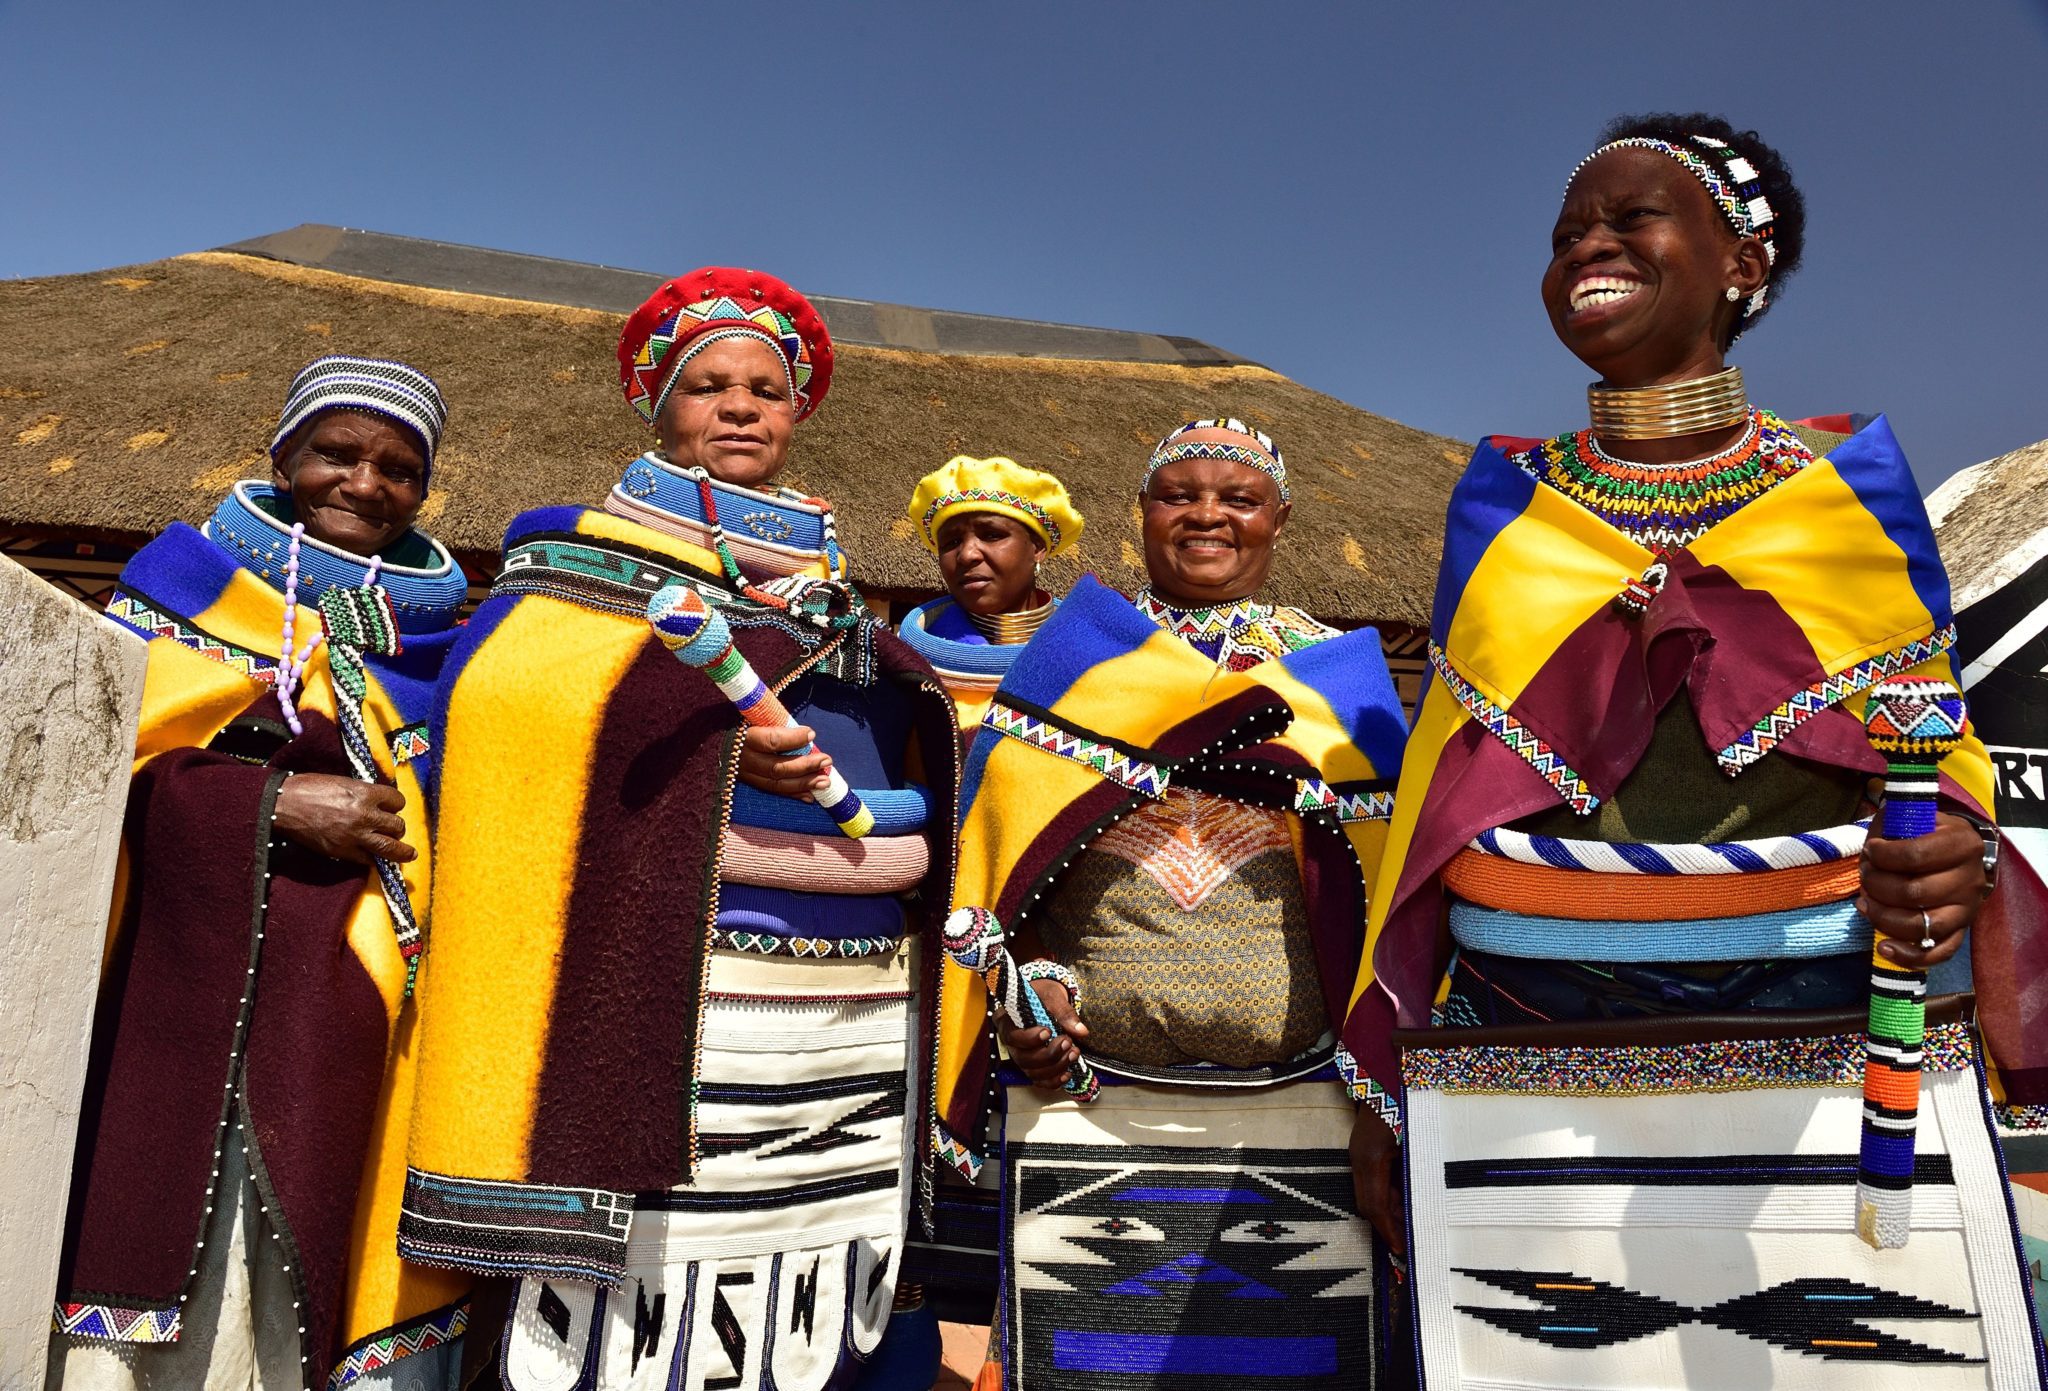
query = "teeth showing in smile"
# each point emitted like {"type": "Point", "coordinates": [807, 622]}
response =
{"type": "Point", "coordinates": [1597, 290]}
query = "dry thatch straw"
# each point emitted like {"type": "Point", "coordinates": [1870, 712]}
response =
{"type": "Point", "coordinates": [131, 398]}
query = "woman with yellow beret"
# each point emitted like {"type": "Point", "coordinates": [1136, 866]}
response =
{"type": "Point", "coordinates": [990, 522]}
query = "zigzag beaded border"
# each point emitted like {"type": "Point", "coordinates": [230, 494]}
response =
{"type": "Point", "coordinates": [1150, 779]}
{"type": "Point", "coordinates": [110, 1323]}
{"type": "Point", "coordinates": [1313, 794]}
{"type": "Point", "coordinates": [1384, 1103]}
{"type": "Point", "coordinates": [153, 622]}
{"type": "Point", "coordinates": [374, 1354]}
{"type": "Point", "coordinates": [1521, 741]}
{"type": "Point", "coordinates": [1724, 857]}
{"type": "Point", "coordinates": [1802, 706]}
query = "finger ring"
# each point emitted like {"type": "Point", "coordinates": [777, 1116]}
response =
{"type": "Point", "coordinates": [1926, 931]}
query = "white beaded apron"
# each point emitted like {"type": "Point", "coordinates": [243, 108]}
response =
{"type": "Point", "coordinates": [1603, 1216]}
{"type": "Point", "coordinates": [778, 1266]}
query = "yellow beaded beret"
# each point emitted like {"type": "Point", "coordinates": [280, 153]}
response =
{"type": "Point", "coordinates": [998, 485]}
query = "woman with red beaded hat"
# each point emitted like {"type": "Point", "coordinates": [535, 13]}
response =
{"type": "Point", "coordinates": [1631, 865]}
{"type": "Point", "coordinates": [675, 1055]}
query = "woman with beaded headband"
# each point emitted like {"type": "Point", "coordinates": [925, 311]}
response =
{"type": "Point", "coordinates": [1169, 813]}
{"type": "Point", "coordinates": [1637, 787]}
{"type": "Point", "coordinates": [241, 1158]}
{"type": "Point", "coordinates": [991, 523]}
{"type": "Point", "coordinates": [674, 1006]}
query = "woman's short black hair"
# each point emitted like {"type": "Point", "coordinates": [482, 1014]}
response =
{"type": "Point", "coordinates": [1788, 225]}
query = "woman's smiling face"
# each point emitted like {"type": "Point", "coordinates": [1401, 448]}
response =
{"type": "Point", "coordinates": [1641, 262]}
{"type": "Point", "coordinates": [1209, 526]}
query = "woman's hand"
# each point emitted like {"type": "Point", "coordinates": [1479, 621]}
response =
{"type": "Point", "coordinates": [1375, 1178]}
{"type": "Point", "coordinates": [1044, 1057]}
{"type": "Point", "coordinates": [763, 763]}
{"type": "Point", "coordinates": [1940, 874]}
{"type": "Point", "coordinates": [342, 818]}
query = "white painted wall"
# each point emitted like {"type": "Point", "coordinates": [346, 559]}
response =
{"type": "Point", "coordinates": [70, 689]}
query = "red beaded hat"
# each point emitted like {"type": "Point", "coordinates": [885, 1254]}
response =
{"type": "Point", "coordinates": [722, 301]}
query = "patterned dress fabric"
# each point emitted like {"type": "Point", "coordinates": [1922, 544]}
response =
{"type": "Point", "coordinates": [1186, 925]}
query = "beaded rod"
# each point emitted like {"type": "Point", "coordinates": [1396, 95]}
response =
{"type": "Point", "coordinates": [700, 637]}
{"type": "Point", "coordinates": [1913, 723]}
{"type": "Point", "coordinates": [973, 938]}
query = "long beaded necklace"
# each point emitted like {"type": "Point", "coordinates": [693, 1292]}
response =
{"type": "Point", "coordinates": [733, 576]}
{"type": "Point", "coordinates": [291, 666]}
{"type": "Point", "coordinates": [1666, 507]}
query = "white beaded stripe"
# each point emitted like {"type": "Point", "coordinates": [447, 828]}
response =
{"type": "Point", "coordinates": [1727, 857]}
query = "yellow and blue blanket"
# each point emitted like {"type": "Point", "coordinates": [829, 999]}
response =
{"type": "Point", "coordinates": [1104, 709]}
{"type": "Point", "coordinates": [1775, 624]}
{"type": "Point", "coordinates": [316, 1059]}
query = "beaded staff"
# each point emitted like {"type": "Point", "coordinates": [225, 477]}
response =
{"type": "Point", "coordinates": [700, 637]}
{"type": "Point", "coordinates": [1913, 723]}
{"type": "Point", "coordinates": [974, 939]}
{"type": "Point", "coordinates": [361, 622]}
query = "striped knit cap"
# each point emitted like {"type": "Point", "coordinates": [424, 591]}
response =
{"type": "Point", "coordinates": [395, 390]}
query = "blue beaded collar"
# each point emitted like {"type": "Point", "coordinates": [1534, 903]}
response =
{"type": "Point", "coordinates": [253, 524]}
{"type": "Point", "coordinates": [948, 655]}
{"type": "Point", "coordinates": [780, 518]}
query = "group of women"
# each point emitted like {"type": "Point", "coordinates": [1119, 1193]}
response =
{"type": "Point", "coordinates": [750, 949]}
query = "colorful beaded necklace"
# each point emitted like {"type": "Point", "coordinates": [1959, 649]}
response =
{"type": "Point", "coordinates": [1666, 507]}
{"type": "Point", "coordinates": [1238, 635]}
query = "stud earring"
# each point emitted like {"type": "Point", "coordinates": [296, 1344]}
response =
{"type": "Point", "coordinates": [1733, 294]}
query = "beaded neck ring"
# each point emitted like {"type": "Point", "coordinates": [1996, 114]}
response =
{"type": "Point", "coordinates": [291, 666]}
{"type": "Point", "coordinates": [1009, 629]}
{"type": "Point", "coordinates": [733, 575]}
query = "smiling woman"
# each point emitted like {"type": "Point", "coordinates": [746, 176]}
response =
{"type": "Point", "coordinates": [1653, 642]}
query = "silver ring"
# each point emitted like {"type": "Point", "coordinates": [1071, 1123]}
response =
{"type": "Point", "coordinates": [1926, 931]}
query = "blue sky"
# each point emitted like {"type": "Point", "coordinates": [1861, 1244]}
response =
{"type": "Point", "coordinates": [1358, 195]}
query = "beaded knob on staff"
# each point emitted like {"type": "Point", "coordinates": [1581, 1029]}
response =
{"type": "Point", "coordinates": [361, 622]}
{"type": "Point", "coordinates": [700, 637]}
{"type": "Point", "coordinates": [1913, 723]}
{"type": "Point", "coordinates": [974, 939]}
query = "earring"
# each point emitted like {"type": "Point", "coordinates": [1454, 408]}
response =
{"type": "Point", "coordinates": [1733, 294]}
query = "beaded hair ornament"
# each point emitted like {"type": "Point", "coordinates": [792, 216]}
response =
{"type": "Point", "coordinates": [1265, 458]}
{"type": "Point", "coordinates": [1730, 180]}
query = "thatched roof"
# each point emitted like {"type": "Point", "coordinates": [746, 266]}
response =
{"type": "Point", "coordinates": [1991, 521]}
{"type": "Point", "coordinates": [130, 398]}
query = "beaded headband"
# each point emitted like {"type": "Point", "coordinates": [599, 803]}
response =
{"type": "Point", "coordinates": [1265, 458]}
{"type": "Point", "coordinates": [1735, 186]}
{"type": "Point", "coordinates": [727, 318]}
{"type": "Point", "coordinates": [397, 391]}
{"type": "Point", "coordinates": [1048, 529]}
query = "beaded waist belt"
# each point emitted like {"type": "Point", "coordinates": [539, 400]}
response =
{"type": "Point", "coordinates": [835, 863]}
{"type": "Point", "coordinates": [1722, 857]}
{"type": "Point", "coordinates": [1494, 882]}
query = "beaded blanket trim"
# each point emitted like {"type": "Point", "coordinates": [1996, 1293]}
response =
{"type": "Point", "coordinates": [1519, 738]}
{"type": "Point", "coordinates": [524, 1229]}
{"type": "Point", "coordinates": [2012, 1115]}
{"type": "Point", "coordinates": [1314, 795]}
{"type": "Point", "coordinates": [409, 742]}
{"type": "Point", "coordinates": [1834, 1060]}
{"type": "Point", "coordinates": [424, 1334]}
{"type": "Point", "coordinates": [1384, 1103]}
{"type": "Point", "coordinates": [956, 1156]}
{"type": "Point", "coordinates": [767, 944]}
{"type": "Point", "coordinates": [1802, 706]}
{"type": "Point", "coordinates": [133, 611]}
{"type": "Point", "coordinates": [1103, 759]}
{"type": "Point", "coordinates": [113, 1324]}
{"type": "Point", "coordinates": [1723, 857]}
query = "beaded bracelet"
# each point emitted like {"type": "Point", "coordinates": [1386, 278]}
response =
{"type": "Point", "coordinates": [1052, 970]}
